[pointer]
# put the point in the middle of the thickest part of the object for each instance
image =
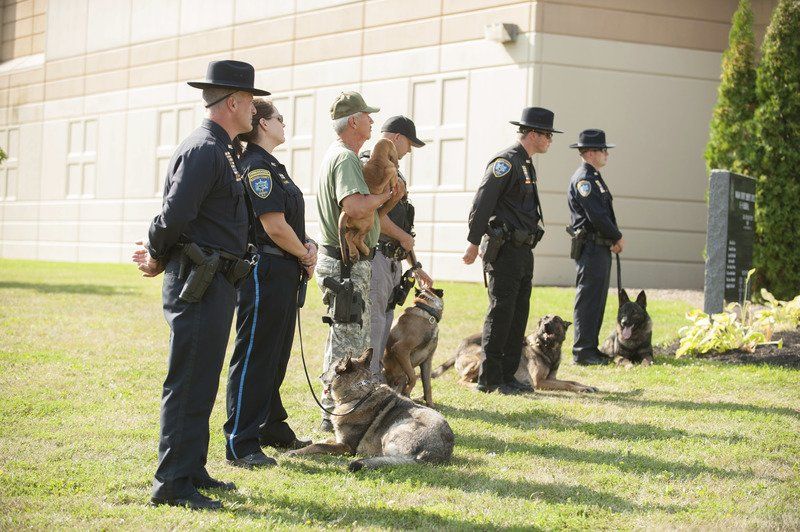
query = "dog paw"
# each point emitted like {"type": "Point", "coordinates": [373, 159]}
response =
{"type": "Point", "coordinates": [591, 389]}
{"type": "Point", "coordinates": [355, 465]}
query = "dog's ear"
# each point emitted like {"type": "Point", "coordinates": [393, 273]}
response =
{"type": "Point", "coordinates": [641, 299]}
{"type": "Point", "coordinates": [366, 357]}
{"type": "Point", "coordinates": [439, 292]}
{"type": "Point", "coordinates": [566, 325]}
{"type": "Point", "coordinates": [344, 365]}
{"type": "Point", "coordinates": [417, 292]}
{"type": "Point", "coordinates": [623, 297]}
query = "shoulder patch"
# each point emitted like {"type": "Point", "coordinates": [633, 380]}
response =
{"type": "Point", "coordinates": [260, 181]}
{"type": "Point", "coordinates": [584, 187]}
{"type": "Point", "coordinates": [501, 167]}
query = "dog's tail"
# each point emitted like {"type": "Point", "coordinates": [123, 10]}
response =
{"type": "Point", "coordinates": [444, 367]}
{"type": "Point", "coordinates": [380, 461]}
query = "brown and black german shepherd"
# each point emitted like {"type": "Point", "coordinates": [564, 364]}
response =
{"type": "Point", "coordinates": [412, 343]}
{"type": "Point", "coordinates": [385, 427]}
{"type": "Point", "coordinates": [631, 341]}
{"type": "Point", "coordinates": [541, 357]}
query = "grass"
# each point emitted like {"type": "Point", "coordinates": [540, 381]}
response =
{"type": "Point", "coordinates": [685, 443]}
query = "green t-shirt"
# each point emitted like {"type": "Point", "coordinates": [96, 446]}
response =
{"type": "Point", "coordinates": [341, 175]}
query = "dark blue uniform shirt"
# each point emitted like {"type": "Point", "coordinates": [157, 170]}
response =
{"type": "Point", "coordinates": [591, 205]}
{"type": "Point", "coordinates": [272, 190]}
{"type": "Point", "coordinates": [508, 191]}
{"type": "Point", "coordinates": [204, 201]}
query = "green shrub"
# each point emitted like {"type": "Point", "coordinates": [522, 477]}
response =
{"type": "Point", "coordinates": [785, 313]}
{"type": "Point", "coordinates": [722, 332]}
{"type": "Point", "coordinates": [730, 133]}
{"type": "Point", "coordinates": [776, 160]}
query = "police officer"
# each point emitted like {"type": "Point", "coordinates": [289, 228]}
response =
{"type": "Point", "coordinates": [199, 236]}
{"type": "Point", "coordinates": [506, 219]}
{"type": "Point", "coordinates": [595, 237]}
{"type": "Point", "coordinates": [266, 299]}
{"type": "Point", "coordinates": [396, 242]}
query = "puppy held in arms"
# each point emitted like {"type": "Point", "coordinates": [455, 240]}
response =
{"type": "Point", "coordinates": [385, 427]}
{"type": "Point", "coordinates": [412, 343]}
{"type": "Point", "coordinates": [631, 341]}
{"type": "Point", "coordinates": [538, 365]}
{"type": "Point", "coordinates": [380, 174]}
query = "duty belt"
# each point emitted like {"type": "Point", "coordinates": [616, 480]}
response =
{"type": "Point", "coordinates": [599, 240]}
{"type": "Point", "coordinates": [336, 253]}
{"type": "Point", "coordinates": [392, 250]}
{"type": "Point", "coordinates": [274, 250]}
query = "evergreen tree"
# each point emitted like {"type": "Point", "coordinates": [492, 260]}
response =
{"type": "Point", "coordinates": [731, 135]}
{"type": "Point", "coordinates": [777, 158]}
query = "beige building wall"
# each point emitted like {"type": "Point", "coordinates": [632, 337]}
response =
{"type": "Point", "coordinates": [91, 119]}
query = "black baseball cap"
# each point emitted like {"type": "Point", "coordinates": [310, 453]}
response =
{"type": "Point", "coordinates": [405, 126]}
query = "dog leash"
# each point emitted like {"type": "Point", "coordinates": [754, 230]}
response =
{"type": "Point", "coordinates": [300, 302]}
{"type": "Point", "coordinates": [619, 275]}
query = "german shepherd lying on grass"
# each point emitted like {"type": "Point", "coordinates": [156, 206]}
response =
{"type": "Point", "coordinates": [631, 341]}
{"type": "Point", "coordinates": [541, 357]}
{"type": "Point", "coordinates": [386, 428]}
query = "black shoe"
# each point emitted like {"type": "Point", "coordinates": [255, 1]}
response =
{"type": "Point", "coordinates": [326, 425]}
{"type": "Point", "coordinates": [195, 501]}
{"type": "Point", "coordinates": [283, 445]}
{"type": "Point", "coordinates": [507, 389]}
{"type": "Point", "coordinates": [521, 386]}
{"type": "Point", "coordinates": [209, 483]}
{"type": "Point", "coordinates": [590, 360]}
{"type": "Point", "coordinates": [253, 460]}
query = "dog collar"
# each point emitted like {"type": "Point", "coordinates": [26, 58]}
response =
{"type": "Point", "coordinates": [435, 314]}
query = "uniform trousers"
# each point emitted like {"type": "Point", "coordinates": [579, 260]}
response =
{"type": "Point", "coordinates": [386, 274]}
{"type": "Point", "coordinates": [344, 338]}
{"type": "Point", "coordinates": [198, 338]}
{"type": "Point", "coordinates": [591, 291]}
{"type": "Point", "coordinates": [510, 282]}
{"type": "Point", "coordinates": [266, 316]}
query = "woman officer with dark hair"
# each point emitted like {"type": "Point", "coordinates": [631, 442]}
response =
{"type": "Point", "coordinates": [266, 299]}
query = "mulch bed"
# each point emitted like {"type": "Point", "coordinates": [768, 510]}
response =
{"type": "Point", "coordinates": [788, 356]}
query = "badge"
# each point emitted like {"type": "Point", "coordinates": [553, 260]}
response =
{"type": "Point", "coordinates": [584, 187]}
{"type": "Point", "coordinates": [261, 182]}
{"type": "Point", "coordinates": [501, 167]}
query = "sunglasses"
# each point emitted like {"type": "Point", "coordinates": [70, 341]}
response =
{"type": "Point", "coordinates": [546, 134]}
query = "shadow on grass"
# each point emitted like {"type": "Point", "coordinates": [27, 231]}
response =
{"type": "Point", "coordinates": [459, 480]}
{"type": "Point", "coordinates": [629, 462]}
{"type": "Point", "coordinates": [291, 511]}
{"type": "Point", "coordinates": [89, 289]}
{"type": "Point", "coordinates": [601, 429]}
{"type": "Point", "coordinates": [721, 406]}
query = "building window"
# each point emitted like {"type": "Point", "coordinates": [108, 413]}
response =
{"type": "Point", "coordinates": [173, 125]}
{"type": "Point", "coordinates": [439, 107]}
{"type": "Point", "coordinates": [10, 167]}
{"type": "Point", "coordinates": [82, 159]}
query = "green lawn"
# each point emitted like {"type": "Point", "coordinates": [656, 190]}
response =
{"type": "Point", "coordinates": [682, 444]}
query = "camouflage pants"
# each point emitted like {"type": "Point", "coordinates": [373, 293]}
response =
{"type": "Point", "coordinates": [344, 338]}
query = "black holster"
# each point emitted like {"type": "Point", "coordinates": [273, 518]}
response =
{"type": "Point", "coordinates": [400, 292]}
{"type": "Point", "coordinates": [204, 264]}
{"type": "Point", "coordinates": [492, 241]}
{"type": "Point", "coordinates": [578, 242]}
{"type": "Point", "coordinates": [346, 304]}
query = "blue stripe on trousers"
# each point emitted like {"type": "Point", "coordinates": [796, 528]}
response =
{"type": "Point", "coordinates": [246, 360]}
